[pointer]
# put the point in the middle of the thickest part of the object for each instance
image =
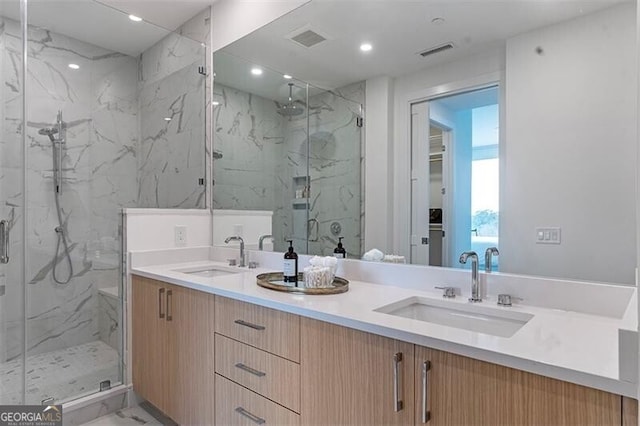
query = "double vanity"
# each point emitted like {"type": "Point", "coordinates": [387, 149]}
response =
{"type": "Point", "coordinates": [211, 347]}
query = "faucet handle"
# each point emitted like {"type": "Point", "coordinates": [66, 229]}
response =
{"type": "Point", "coordinates": [506, 299]}
{"type": "Point", "coordinates": [232, 262]}
{"type": "Point", "coordinates": [449, 292]}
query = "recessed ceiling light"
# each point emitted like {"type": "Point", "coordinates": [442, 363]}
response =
{"type": "Point", "coordinates": [437, 21]}
{"type": "Point", "coordinates": [287, 77]}
{"type": "Point", "coordinates": [366, 47]}
{"type": "Point", "coordinates": [74, 66]}
{"type": "Point", "coordinates": [215, 103]}
{"type": "Point", "coordinates": [135, 18]}
{"type": "Point", "coordinates": [167, 119]}
{"type": "Point", "coordinates": [256, 71]}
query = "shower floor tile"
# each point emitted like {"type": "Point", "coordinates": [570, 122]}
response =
{"type": "Point", "coordinates": [134, 416]}
{"type": "Point", "coordinates": [63, 374]}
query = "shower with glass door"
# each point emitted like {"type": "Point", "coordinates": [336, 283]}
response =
{"type": "Point", "coordinates": [78, 114]}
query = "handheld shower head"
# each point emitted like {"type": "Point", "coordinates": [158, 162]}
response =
{"type": "Point", "coordinates": [49, 131]}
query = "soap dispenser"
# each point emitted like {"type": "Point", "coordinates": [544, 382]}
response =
{"type": "Point", "coordinates": [339, 251]}
{"type": "Point", "coordinates": [290, 269]}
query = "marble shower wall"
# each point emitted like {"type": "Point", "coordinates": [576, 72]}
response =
{"type": "Point", "coordinates": [335, 161]}
{"type": "Point", "coordinates": [264, 161]}
{"type": "Point", "coordinates": [99, 104]}
{"type": "Point", "coordinates": [172, 157]}
{"type": "Point", "coordinates": [249, 135]}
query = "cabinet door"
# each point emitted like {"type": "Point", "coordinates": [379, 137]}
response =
{"type": "Point", "coordinates": [149, 340]}
{"type": "Point", "coordinates": [190, 361]}
{"type": "Point", "coordinates": [350, 377]}
{"type": "Point", "coordinates": [464, 391]}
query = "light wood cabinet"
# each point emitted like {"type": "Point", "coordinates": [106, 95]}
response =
{"type": "Point", "coordinates": [354, 378]}
{"type": "Point", "coordinates": [172, 350]}
{"type": "Point", "coordinates": [236, 405]}
{"type": "Point", "coordinates": [461, 391]}
{"type": "Point", "coordinates": [269, 375]}
{"type": "Point", "coordinates": [268, 329]}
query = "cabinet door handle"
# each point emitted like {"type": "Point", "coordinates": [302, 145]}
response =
{"type": "Point", "coordinates": [169, 303]}
{"type": "Point", "coordinates": [250, 416]}
{"type": "Point", "coordinates": [248, 369]}
{"type": "Point", "coordinates": [250, 325]}
{"type": "Point", "coordinates": [397, 402]}
{"type": "Point", "coordinates": [426, 414]}
{"type": "Point", "coordinates": [4, 241]}
{"type": "Point", "coordinates": [160, 293]}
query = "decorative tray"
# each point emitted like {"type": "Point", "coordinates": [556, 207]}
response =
{"type": "Point", "coordinates": [275, 281]}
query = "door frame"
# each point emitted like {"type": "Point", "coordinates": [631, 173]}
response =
{"type": "Point", "coordinates": [402, 149]}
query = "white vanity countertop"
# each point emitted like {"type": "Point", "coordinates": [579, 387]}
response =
{"type": "Point", "coordinates": [571, 346]}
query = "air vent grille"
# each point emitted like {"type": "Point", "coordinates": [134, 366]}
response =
{"type": "Point", "coordinates": [437, 49]}
{"type": "Point", "coordinates": [308, 38]}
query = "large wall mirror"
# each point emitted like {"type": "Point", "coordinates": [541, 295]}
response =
{"type": "Point", "coordinates": [510, 125]}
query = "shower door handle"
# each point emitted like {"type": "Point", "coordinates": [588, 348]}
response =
{"type": "Point", "coordinates": [310, 226]}
{"type": "Point", "coordinates": [4, 241]}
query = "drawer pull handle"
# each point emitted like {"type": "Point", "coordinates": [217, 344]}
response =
{"type": "Point", "coordinates": [426, 414]}
{"type": "Point", "coordinates": [398, 405]}
{"type": "Point", "coordinates": [250, 325]}
{"type": "Point", "coordinates": [169, 303]}
{"type": "Point", "coordinates": [250, 416]}
{"type": "Point", "coordinates": [248, 369]}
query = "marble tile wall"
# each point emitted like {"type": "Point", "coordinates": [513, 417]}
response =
{"type": "Point", "coordinates": [172, 157]}
{"type": "Point", "coordinates": [264, 160]}
{"type": "Point", "coordinates": [249, 135]}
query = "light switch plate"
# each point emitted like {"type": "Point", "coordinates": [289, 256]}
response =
{"type": "Point", "coordinates": [180, 233]}
{"type": "Point", "coordinates": [547, 235]}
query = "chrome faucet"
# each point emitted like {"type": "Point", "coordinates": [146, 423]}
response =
{"type": "Point", "coordinates": [238, 238]}
{"type": "Point", "coordinates": [488, 255]}
{"type": "Point", "coordinates": [261, 240]}
{"type": "Point", "coordinates": [475, 286]}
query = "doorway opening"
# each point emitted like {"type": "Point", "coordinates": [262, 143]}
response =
{"type": "Point", "coordinates": [455, 177]}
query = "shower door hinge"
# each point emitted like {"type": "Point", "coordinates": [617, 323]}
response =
{"type": "Point", "coordinates": [105, 385]}
{"type": "Point", "coordinates": [442, 234]}
{"type": "Point", "coordinates": [359, 121]}
{"type": "Point", "coordinates": [443, 191]}
{"type": "Point", "coordinates": [201, 181]}
{"type": "Point", "coordinates": [202, 71]}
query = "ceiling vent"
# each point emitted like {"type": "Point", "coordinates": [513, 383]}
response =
{"type": "Point", "coordinates": [307, 37]}
{"type": "Point", "coordinates": [437, 49]}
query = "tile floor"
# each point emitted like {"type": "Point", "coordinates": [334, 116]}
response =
{"type": "Point", "coordinates": [62, 374]}
{"type": "Point", "coordinates": [134, 416]}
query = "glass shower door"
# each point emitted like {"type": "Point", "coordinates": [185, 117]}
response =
{"type": "Point", "coordinates": [334, 163]}
{"type": "Point", "coordinates": [12, 332]}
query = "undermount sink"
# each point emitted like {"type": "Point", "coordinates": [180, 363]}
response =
{"type": "Point", "coordinates": [472, 317]}
{"type": "Point", "coordinates": [208, 272]}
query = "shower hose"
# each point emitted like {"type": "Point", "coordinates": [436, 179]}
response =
{"type": "Point", "coordinates": [62, 239]}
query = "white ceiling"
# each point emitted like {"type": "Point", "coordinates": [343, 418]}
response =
{"type": "Point", "coordinates": [397, 29]}
{"type": "Point", "coordinates": [103, 24]}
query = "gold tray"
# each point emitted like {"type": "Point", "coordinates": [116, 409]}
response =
{"type": "Point", "coordinates": [274, 281]}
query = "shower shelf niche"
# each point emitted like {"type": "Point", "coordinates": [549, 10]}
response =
{"type": "Point", "coordinates": [300, 197]}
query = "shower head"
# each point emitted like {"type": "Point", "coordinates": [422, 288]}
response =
{"type": "Point", "coordinates": [49, 131]}
{"type": "Point", "coordinates": [290, 109]}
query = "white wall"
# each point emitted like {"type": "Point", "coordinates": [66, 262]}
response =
{"type": "Point", "coordinates": [248, 224]}
{"type": "Point", "coordinates": [571, 112]}
{"type": "Point", "coordinates": [154, 229]}
{"type": "Point", "coordinates": [234, 19]}
{"type": "Point", "coordinates": [378, 158]}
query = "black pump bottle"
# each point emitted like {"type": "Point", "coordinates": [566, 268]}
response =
{"type": "Point", "coordinates": [339, 252]}
{"type": "Point", "coordinates": [290, 269]}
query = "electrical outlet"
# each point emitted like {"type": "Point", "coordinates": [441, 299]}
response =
{"type": "Point", "coordinates": [180, 233]}
{"type": "Point", "coordinates": [548, 235]}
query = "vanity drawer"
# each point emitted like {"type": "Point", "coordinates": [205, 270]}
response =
{"type": "Point", "coordinates": [236, 405]}
{"type": "Point", "coordinates": [269, 375]}
{"type": "Point", "coordinates": [274, 331]}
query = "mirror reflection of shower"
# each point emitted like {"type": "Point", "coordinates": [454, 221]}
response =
{"type": "Point", "coordinates": [57, 136]}
{"type": "Point", "coordinates": [290, 109]}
